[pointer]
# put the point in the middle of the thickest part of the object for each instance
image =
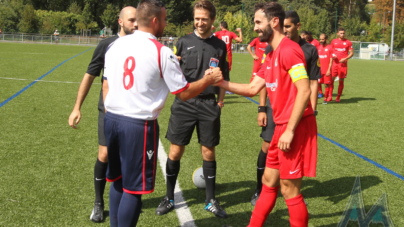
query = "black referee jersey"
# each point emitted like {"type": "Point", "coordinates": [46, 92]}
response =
{"type": "Point", "coordinates": [311, 57]}
{"type": "Point", "coordinates": [97, 63]}
{"type": "Point", "coordinates": [197, 53]}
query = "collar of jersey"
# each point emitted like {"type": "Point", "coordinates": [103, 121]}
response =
{"type": "Point", "coordinates": [201, 37]}
{"type": "Point", "coordinates": [146, 34]}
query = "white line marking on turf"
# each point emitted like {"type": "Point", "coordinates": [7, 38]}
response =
{"type": "Point", "coordinates": [181, 207]}
{"type": "Point", "coordinates": [61, 82]}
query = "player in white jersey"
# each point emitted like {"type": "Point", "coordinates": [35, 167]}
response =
{"type": "Point", "coordinates": [139, 73]}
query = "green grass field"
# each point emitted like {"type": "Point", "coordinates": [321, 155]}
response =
{"type": "Point", "coordinates": [47, 167]}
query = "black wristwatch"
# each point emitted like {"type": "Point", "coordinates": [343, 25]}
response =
{"type": "Point", "coordinates": [315, 113]}
{"type": "Point", "coordinates": [262, 109]}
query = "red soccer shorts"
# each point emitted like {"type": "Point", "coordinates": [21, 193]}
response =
{"type": "Point", "coordinates": [256, 68]}
{"type": "Point", "coordinates": [301, 160]}
{"type": "Point", "coordinates": [339, 69]}
{"type": "Point", "coordinates": [325, 79]}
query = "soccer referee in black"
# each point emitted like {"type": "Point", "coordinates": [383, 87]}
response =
{"type": "Point", "coordinates": [197, 52]}
{"type": "Point", "coordinates": [265, 118]}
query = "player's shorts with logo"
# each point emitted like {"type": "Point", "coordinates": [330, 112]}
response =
{"type": "Point", "coordinates": [201, 112]}
{"type": "Point", "coordinates": [256, 68]}
{"type": "Point", "coordinates": [132, 152]}
{"type": "Point", "coordinates": [339, 69]}
{"type": "Point", "coordinates": [325, 79]}
{"type": "Point", "coordinates": [268, 132]}
{"type": "Point", "coordinates": [101, 114]}
{"type": "Point", "coordinates": [301, 160]}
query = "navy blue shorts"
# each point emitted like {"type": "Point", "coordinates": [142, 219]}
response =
{"type": "Point", "coordinates": [132, 152]}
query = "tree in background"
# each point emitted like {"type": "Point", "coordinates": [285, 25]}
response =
{"type": "Point", "coordinates": [28, 22]}
{"type": "Point", "coordinates": [110, 16]}
{"type": "Point", "coordinates": [74, 8]}
{"type": "Point", "coordinates": [86, 19]}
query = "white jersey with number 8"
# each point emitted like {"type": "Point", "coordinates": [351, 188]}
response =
{"type": "Point", "coordinates": [140, 72]}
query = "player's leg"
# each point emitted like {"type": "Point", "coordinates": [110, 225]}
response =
{"type": "Point", "coordinates": [208, 131]}
{"type": "Point", "coordinates": [327, 82]}
{"type": "Point", "coordinates": [320, 82]}
{"type": "Point", "coordinates": [100, 171]}
{"type": "Point", "coordinates": [129, 209]}
{"type": "Point", "coordinates": [290, 189]}
{"type": "Point", "coordinates": [342, 73]}
{"type": "Point", "coordinates": [334, 75]}
{"type": "Point", "coordinates": [180, 128]}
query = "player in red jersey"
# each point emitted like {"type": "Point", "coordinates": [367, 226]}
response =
{"type": "Point", "coordinates": [293, 151]}
{"type": "Point", "coordinates": [325, 55]}
{"type": "Point", "coordinates": [227, 37]}
{"type": "Point", "coordinates": [311, 40]}
{"type": "Point", "coordinates": [342, 50]}
{"type": "Point", "coordinates": [259, 53]}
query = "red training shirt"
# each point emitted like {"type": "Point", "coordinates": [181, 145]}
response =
{"type": "Point", "coordinates": [324, 54]}
{"type": "Point", "coordinates": [341, 48]}
{"type": "Point", "coordinates": [281, 69]}
{"type": "Point", "coordinates": [227, 37]}
{"type": "Point", "coordinates": [314, 42]}
{"type": "Point", "coordinates": [259, 47]}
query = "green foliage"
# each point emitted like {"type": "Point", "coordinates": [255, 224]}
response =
{"type": "Point", "coordinates": [316, 23]}
{"type": "Point", "coordinates": [48, 21]}
{"type": "Point", "coordinates": [353, 27]}
{"type": "Point", "coordinates": [110, 16]}
{"type": "Point", "coordinates": [28, 22]}
{"type": "Point", "coordinates": [86, 18]}
{"type": "Point", "coordinates": [398, 35]}
{"type": "Point", "coordinates": [10, 14]}
{"type": "Point", "coordinates": [74, 8]}
{"type": "Point", "coordinates": [234, 22]}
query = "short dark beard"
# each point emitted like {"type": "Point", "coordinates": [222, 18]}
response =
{"type": "Point", "coordinates": [266, 34]}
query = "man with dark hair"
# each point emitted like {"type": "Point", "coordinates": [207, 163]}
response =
{"type": "Point", "coordinates": [197, 52]}
{"type": "Point", "coordinates": [311, 40]}
{"type": "Point", "coordinates": [133, 105]}
{"type": "Point", "coordinates": [293, 150]}
{"type": "Point", "coordinates": [340, 48]}
{"type": "Point", "coordinates": [227, 37]}
{"type": "Point", "coordinates": [265, 118]}
{"type": "Point", "coordinates": [127, 22]}
{"type": "Point", "coordinates": [303, 34]}
{"type": "Point", "coordinates": [325, 55]}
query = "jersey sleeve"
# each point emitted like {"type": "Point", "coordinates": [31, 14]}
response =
{"type": "Point", "coordinates": [253, 43]}
{"type": "Point", "coordinates": [171, 72]}
{"type": "Point", "coordinates": [350, 45]}
{"type": "Point", "coordinates": [314, 71]}
{"type": "Point", "coordinates": [294, 64]}
{"type": "Point", "coordinates": [234, 36]}
{"type": "Point", "coordinates": [261, 72]}
{"type": "Point", "coordinates": [97, 62]}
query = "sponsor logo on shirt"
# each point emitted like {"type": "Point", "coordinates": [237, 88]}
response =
{"type": "Point", "coordinates": [276, 62]}
{"type": "Point", "coordinates": [272, 86]}
{"type": "Point", "coordinates": [340, 49]}
{"type": "Point", "coordinates": [172, 58]}
{"type": "Point", "coordinates": [188, 48]}
{"type": "Point", "coordinates": [322, 56]}
{"type": "Point", "coordinates": [213, 62]}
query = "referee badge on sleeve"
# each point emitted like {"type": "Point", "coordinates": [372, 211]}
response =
{"type": "Point", "coordinates": [213, 62]}
{"type": "Point", "coordinates": [172, 58]}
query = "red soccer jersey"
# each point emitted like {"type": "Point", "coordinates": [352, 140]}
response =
{"type": "Point", "coordinates": [227, 37]}
{"type": "Point", "coordinates": [281, 69]}
{"type": "Point", "coordinates": [314, 42]}
{"type": "Point", "coordinates": [324, 54]}
{"type": "Point", "coordinates": [341, 48]}
{"type": "Point", "coordinates": [259, 47]}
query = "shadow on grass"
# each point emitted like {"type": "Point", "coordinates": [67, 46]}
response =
{"type": "Point", "coordinates": [336, 189]}
{"type": "Point", "coordinates": [350, 100]}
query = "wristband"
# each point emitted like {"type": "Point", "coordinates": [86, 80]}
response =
{"type": "Point", "coordinates": [262, 109]}
{"type": "Point", "coordinates": [220, 103]}
{"type": "Point", "coordinates": [315, 113]}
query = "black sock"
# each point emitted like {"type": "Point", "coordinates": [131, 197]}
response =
{"type": "Point", "coordinates": [262, 157]}
{"type": "Point", "coordinates": [100, 171]}
{"type": "Point", "coordinates": [172, 170]}
{"type": "Point", "coordinates": [209, 172]}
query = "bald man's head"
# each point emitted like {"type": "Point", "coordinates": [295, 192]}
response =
{"type": "Point", "coordinates": [127, 20]}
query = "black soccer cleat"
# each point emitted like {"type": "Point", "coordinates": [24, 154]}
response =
{"type": "Point", "coordinates": [97, 215]}
{"type": "Point", "coordinates": [214, 207]}
{"type": "Point", "coordinates": [255, 197]}
{"type": "Point", "coordinates": [166, 205]}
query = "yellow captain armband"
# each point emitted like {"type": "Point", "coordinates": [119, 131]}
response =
{"type": "Point", "coordinates": [318, 63]}
{"type": "Point", "coordinates": [175, 50]}
{"type": "Point", "coordinates": [298, 72]}
{"type": "Point", "coordinates": [263, 58]}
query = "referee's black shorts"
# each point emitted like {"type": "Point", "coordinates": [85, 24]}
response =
{"type": "Point", "coordinates": [268, 132]}
{"type": "Point", "coordinates": [200, 112]}
{"type": "Point", "coordinates": [101, 115]}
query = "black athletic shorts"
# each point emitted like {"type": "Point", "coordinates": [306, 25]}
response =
{"type": "Point", "coordinates": [202, 113]}
{"type": "Point", "coordinates": [268, 131]}
{"type": "Point", "coordinates": [101, 114]}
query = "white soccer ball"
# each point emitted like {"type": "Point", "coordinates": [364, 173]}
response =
{"type": "Point", "coordinates": [198, 178]}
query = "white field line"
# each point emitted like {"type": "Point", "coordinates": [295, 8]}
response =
{"type": "Point", "coordinates": [181, 207]}
{"type": "Point", "coordinates": [48, 81]}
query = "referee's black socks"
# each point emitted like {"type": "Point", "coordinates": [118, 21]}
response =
{"type": "Point", "coordinates": [262, 157]}
{"type": "Point", "coordinates": [172, 170]}
{"type": "Point", "coordinates": [100, 172]}
{"type": "Point", "coordinates": [209, 171]}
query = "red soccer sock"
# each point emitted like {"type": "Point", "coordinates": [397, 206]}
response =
{"type": "Point", "coordinates": [299, 216]}
{"type": "Point", "coordinates": [264, 206]}
{"type": "Point", "coordinates": [326, 91]}
{"type": "Point", "coordinates": [331, 90]}
{"type": "Point", "coordinates": [320, 89]}
{"type": "Point", "coordinates": [340, 87]}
